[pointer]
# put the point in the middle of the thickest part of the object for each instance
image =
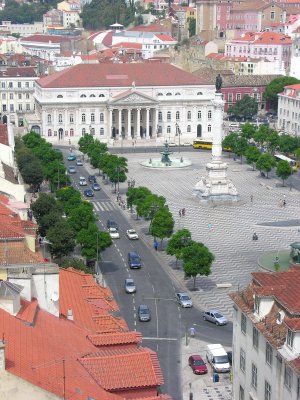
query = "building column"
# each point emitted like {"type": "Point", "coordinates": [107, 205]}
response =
{"type": "Point", "coordinates": [120, 122]}
{"type": "Point", "coordinates": [138, 123]}
{"type": "Point", "coordinates": [147, 123]}
{"type": "Point", "coordinates": [110, 123]}
{"type": "Point", "coordinates": [129, 123]}
{"type": "Point", "coordinates": [155, 124]}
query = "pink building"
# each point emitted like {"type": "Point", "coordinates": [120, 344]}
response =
{"type": "Point", "coordinates": [271, 46]}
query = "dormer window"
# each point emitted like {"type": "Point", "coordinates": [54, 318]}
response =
{"type": "Point", "coordinates": [83, 95]}
{"type": "Point", "coordinates": [60, 96]}
{"type": "Point", "coordinates": [290, 338]}
{"type": "Point", "coordinates": [169, 94]}
{"type": "Point", "coordinates": [199, 94]}
{"type": "Point", "coordinates": [159, 94]}
{"type": "Point", "coordinates": [256, 304]}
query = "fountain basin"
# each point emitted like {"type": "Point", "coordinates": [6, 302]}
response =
{"type": "Point", "coordinates": [174, 163]}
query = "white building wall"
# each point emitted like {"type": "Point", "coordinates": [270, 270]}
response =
{"type": "Point", "coordinates": [44, 285]}
{"type": "Point", "coordinates": [289, 114]}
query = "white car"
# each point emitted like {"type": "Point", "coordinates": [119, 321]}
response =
{"type": "Point", "coordinates": [172, 144]}
{"type": "Point", "coordinates": [82, 181]}
{"type": "Point", "coordinates": [132, 234]}
{"type": "Point", "coordinates": [186, 144]}
{"type": "Point", "coordinates": [79, 162]}
{"type": "Point", "coordinates": [114, 234]}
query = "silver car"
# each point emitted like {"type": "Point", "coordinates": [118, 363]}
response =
{"type": "Point", "coordinates": [130, 286]}
{"type": "Point", "coordinates": [144, 313]}
{"type": "Point", "coordinates": [215, 316]}
{"type": "Point", "coordinates": [184, 300]}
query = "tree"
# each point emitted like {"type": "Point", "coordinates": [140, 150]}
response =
{"type": "Point", "coordinates": [277, 86]}
{"type": "Point", "coordinates": [252, 154]}
{"type": "Point", "coordinates": [261, 135]}
{"type": "Point", "coordinates": [197, 260]}
{"type": "Point", "coordinates": [272, 141]}
{"type": "Point", "coordinates": [76, 263]}
{"type": "Point", "coordinates": [116, 168]}
{"type": "Point", "coordinates": [32, 173]}
{"type": "Point", "coordinates": [45, 204]}
{"type": "Point", "coordinates": [248, 130]}
{"type": "Point", "coordinates": [163, 224]}
{"type": "Point", "coordinates": [148, 206]}
{"type": "Point", "coordinates": [245, 107]}
{"type": "Point", "coordinates": [178, 241]}
{"type": "Point", "coordinates": [287, 144]}
{"type": "Point", "coordinates": [82, 216]}
{"type": "Point", "coordinates": [241, 146]}
{"type": "Point", "coordinates": [265, 163]}
{"type": "Point", "coordinates": [91, 239]}
{"type": "Point", "coordinates": [69, 198]}
{"type": "Point", "coordinates": [136, 195]}
{"type": "Point", "coordinates": [192, 26]}
{"type": "Point", "coordinates": [62, 239]}
{"type": "Point", "coordinates": [85, 142]}
{"type": "Point", "coordinates": [230, 141]}
{"type": "Point", "coordinates": [48, 220]}
{"type": "Point", "coordinates": [283, 170]}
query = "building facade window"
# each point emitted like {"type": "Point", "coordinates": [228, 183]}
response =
{"type": "Point", "coordinates": [209, 128]}
{"type": "Point", "coordinates": [177, 115]}
{"type": "Point", "coordinates": [254, 376]}
{"type": "Point", "coordinates": [71, 132]}
{"type": "Point", "coordinates": [83, 131]}
{"type": "Point", "coordinates": [49, 119]}
{"type": "Point", "coordinates": [230, 97]}
{"type": "Point", "coordinates": [101, 117]}
{"type": "Point", "coordinates": [288, 375]}
{"type": "Point", "coordinates": [290, 338]}
{"type": "Point", "coordinates": [255, 338]}
{"type": "Point", "coordinates": [92, 117]}
{"type": "Point", "coordinates": [269, 354]}
{"type": "Point", "coordinates": [209, 114]}
{"type": "Point", "coordinates": [101, 131]}
{"type": "Point", "coordinates": [169, 116]}
{"type": "Point", "coordinates": [168, 129]}
{"type": "Point", "coordinates": [188, 129]}
{"type": "Point", "coordinates": [243, 323]}
{"type": "Point", "coordinates": [199, 114]}
{"type": "Point", "coordinates": [160, 116]}
{"type": "Point", "coordinates": [49, 132]}
{"type": "Point", "coordinates": [71, 118]}
{"type": "Point", "coordinates": [60, 118]}
{"type": "Point", "coordinates": [238, 96]}
{"type": "Point", "coordinates": [189, 115]}
{"type": "Point", "coordinates": [83, 118]}
{"type": "Point", "coordinates": [242, 360]}
{"type": "Point", "coordinates": [267, 391]}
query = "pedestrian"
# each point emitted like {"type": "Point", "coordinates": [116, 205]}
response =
{"type": "Point", "coordinates": [155, 245]}
{"type": "Point", "coordinates": [179, 212]}
{"type": "Point", "coordinates": [251, 198]}
{"type": "Point", "coordinates": [284, 203]}
{"type": "Point", "coordinates": [183, 212]}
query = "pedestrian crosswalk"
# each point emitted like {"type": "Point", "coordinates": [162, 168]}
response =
{"type": "Point", "coordinates": [105, 206]}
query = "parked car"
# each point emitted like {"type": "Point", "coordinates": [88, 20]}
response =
{"type": "Point", "coordinates": [96, 186]}
{"type": "Point", "coordinates": [130, 285]}
{"type": "Point", "coordinates": [217, 357]}
{"type": "Point", "coordinates": [92, 178]}
{"type": "Point", "coordinates": [184, 300]}
{"type": "Point", "coordinates": [197, 364]}
{"type": "Point", "coordinates": [71, 157]}
{"type": "Point", "coordinates": [111, 224]}
{"type": "Point", "coordinates": [71, 169]}
{"type": "Point", "coordinates": [172, 144]}
{"type": "Point", "coordinates": [79, 162]}
{"type": "Point", "coordinates": [134, 260]}
{"type": "Point", "coordinates": [186, 144]}
{"type": "Point", "coordinates": [215, 316]}
{"type": "Point", "coordinates": [82, 181]}
{"type": "Point", "coordinates": [144, 313]}
{"type": "Point", "coordinates": [114, 233]}
{"type": "Point", "coordinates": [132, 234]}
{"type": "Point", "coordinates": [88, 193]}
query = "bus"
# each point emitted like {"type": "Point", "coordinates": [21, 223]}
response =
{"type": "Point", "coordinates": [205, 144]}
{"type": "Point", "coordinates": [293, 163]}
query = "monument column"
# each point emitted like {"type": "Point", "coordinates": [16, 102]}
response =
{"type": "Point", "coordinates": [138, 123]}
{"type": "Point", "coordinates": [120, 122]}
{"type": "Point", "coordinates": [147, 123]}
{"type": "Point", "coordinates": [218, 104]}
{"type": "Point", "coordinates": [110, 123]}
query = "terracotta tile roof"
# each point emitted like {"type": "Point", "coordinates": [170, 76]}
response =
{"type": "Point", "coordinates": [115, 339]}
{"type": "Point", "coordinates": [45, 39]}
{"type": "Point", "coordinates": [150, 28]}
{"type": "Point", "coordinates": [3, 134]}
{"type": "Point", "coordinates": [283, 286]}
{"type": "Point", "coordinates": [258, 38]}
{"type": "Point", "coordinates": [292, 323]}
{"type": "Point", "coordinates": [123, 371]}
{"type": "Point", "coordinates": [128, 45]}
{"type": "Point", "coordinates": [24, 72]}
{"type": "Point", "coordinates": [28, 311]}
{"type": "Point", "coordinates": [166, 38]}
{"type": "Point", "coordinates": [273, 332]}
{"type": "Point", "coordinates": [118, 75]}
{"type": "Point", "coordinates": [295, 87]}
{"type": "Point", "coordinates": [17, 252]}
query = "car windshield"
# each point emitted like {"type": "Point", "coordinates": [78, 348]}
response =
{"type": "Point", "coordinates": [131, 231]}
{"type": "Point", "coordinates": [135, 259]}
{"type": "Point", "coordinates": [185, 298]}
{"type": "Point", "coordinates": [199, 362]}
{"type": "Point", "coordinates": [113, 230]}
{"type": "Point", "coordinates": [217, 315]}
{"type": "Point", "coordinates": [144, 311]}
{"type": "Point", "coordinates": [221, 359]}
{"type": "Point", "coordinates": [130, 284]}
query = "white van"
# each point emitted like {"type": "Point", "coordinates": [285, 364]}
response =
{"type": "Point", "coordinates": [217, 358]}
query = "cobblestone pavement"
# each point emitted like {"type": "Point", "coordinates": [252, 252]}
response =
{"type": "Point", "coordinates": [226, 229]}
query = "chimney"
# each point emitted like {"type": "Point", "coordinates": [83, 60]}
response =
{"type": "Point", "coordinates": [70, 316]}
{"type": "Point", "coordinates": [2, 356]}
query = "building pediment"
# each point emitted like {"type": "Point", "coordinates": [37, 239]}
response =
{"type": "Point", "coordinates": [132, 97]}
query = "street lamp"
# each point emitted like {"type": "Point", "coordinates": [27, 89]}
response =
{"type": "Point", "coordinates": [178, 132]}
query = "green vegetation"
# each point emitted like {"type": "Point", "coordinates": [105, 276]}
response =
{"type": "Point", "coordinates": [192, 26]}
{"type": "Point", "coordinates": [25, 13]}
{"type": "Point", "coordinates": [284, 170]}
{"type": "Point", "coordinates": [276, 86]}
{"type": "Point", "coordinates": [245, 107]}
{"type": "Point", "coordinates": [162, 224]}
{"type": "Point", "coordinates": [178, 242]}
{"type": "Point", "coordinates": [265, 163]}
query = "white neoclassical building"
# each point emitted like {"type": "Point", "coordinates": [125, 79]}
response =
{"type": "Point", "coordinates": [124, 101]}
{"type": "Point", "coordinates": [289, 110]}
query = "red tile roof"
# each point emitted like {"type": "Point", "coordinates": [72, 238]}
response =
{"type": "Point", "coordinates": [23, 72]}
{"type": "Point", "coordinates": [3, 134]}
{"type": "Point", "coordinates": [264, 38]}
{"type": "Point", "coordinates": [128, 45]}
{"type": "Point", "coordinates": [118, 75]}
{"type": "Point", "coordinates": [150, 28]}
{"type": "Point", "coordinates": [116, 339]}
{"type": "Point", "coordinates": [45, 39]}
{"type": "Point", "coordinates": [166, 38]}
{"type": "Point", "coordinates": [296, 86]}
{"type": "Point", "coordinates": [28, 311]}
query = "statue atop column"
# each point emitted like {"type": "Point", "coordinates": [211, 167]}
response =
{"type": "Point", "coordinates": [218, 83]}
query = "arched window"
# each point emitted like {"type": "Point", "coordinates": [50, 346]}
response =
{"type": "Point", "coordinates": [209, 114]}
{"type": "Point", "coordinates": [60, 96]}
{"type": "Point", "coordinates": [169, 94]}
{"type": "Point", "coordinates": [159, 94]}
{"type": "Point", "coordinates": [160, 116]}
{"type": "Point", "coordinates": [71, 132]}
{"type": "Point", "coordinates": [168, 129]}
{"type": "Point", "coordinates": [92, 95]}
{"type": "Point", "coordinates": [92, 117]}
{"type": "Point", "coordinates": [83, 118]}
{"type": "Point", "coordinates": [49, 119]}
{"type": "Point", "coordinates": [60, 118]}
{"type": "Point", "coordinates": [177, 94]}
{"type": "Point", "coordinates": [188, 129]}
{"type": "Point", "coordinates": [71, 118]}
{"type": "Point", "coordinates": [169, 116]}
{"type": "Point", "coordinates": [49, 132]}
{"type": "Point", "coordinates": [209, 128]}
{"type": "Point", "coordinates": [199, 114]}
{"type": "Point", "coordinates": [101, 131]}
{"type": "Point", "coordinates": [199, 94]}
{"type": "Point", "coordinates": [101, 117]}
{"type": "Point", "coordinates": [83, 131]}
{"type": "Point", "coordinates": [82, 95]}
{"type": "Point", "coordinates": [189, 115]}
{"type": "Point", "coordinates": [101, 95]}
{"type": "Point", "coordinates": [177, 115]}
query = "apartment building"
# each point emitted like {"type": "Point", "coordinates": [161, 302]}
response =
{"type": "Point", "coordinates": [289, 110]}
{"type": "Point", "coordinates": [266, 337]}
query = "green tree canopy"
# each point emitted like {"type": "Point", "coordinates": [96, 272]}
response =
{"type": "Point", "coordinates": [261, 135]}
{"type": "Point", "coordinates": [62, 239]}
{"type": "Point", "coordinates": [276, 86]}
{"type": "Point", "coordinates": [88, 240]}
{"type": "Point", "coordinates": [25, 13]}
{"type": "Point", "coordinates": [192, 26]}
{"type": "Point", "coordinates": [245, 107]}
{"type": "Point", "coordinates": [149, 205]}
{"type": "Point", "coordinates": [85, 143]}
{"type": "Point", "coordinates": [287, 144]}
{"type": "Point", "coordinates": [73, 262]}
{"type": "Point", "coordinates": [69, 197]}
{"type": "Point", "coordinates": [252, 154]}
{"type": "Point", "coordinates": [272, 141]}
{"type": "Point", "coordinates": [48, 220]}
{"type": "Point", "coordinates": [197, 260]}
{"type": "Point", "coordinates": [248, 130]}
{"type": "Point", "coordinates": [265, 163]}
{"type": "Point", "coordinates": [163, 224]}
{"type": "Point", "coordinates": [178, 241]}
{"type": "Point", "coordinates": [230, 141]}
{"type": "Point", "coordinates": [136, 195]}
{"type": "Point", "coordinates": [45, 204]}
{"type": "Point", "coordinates": [283, 170]}
{"type": "Point", "coordinates": [82, 216]}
